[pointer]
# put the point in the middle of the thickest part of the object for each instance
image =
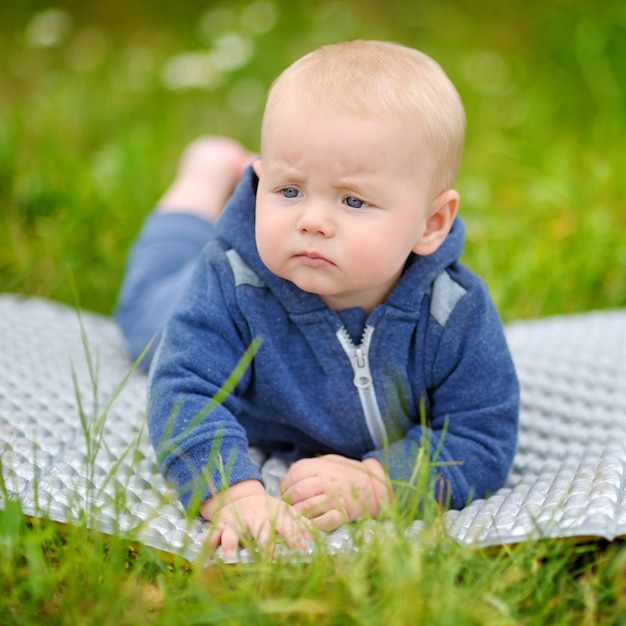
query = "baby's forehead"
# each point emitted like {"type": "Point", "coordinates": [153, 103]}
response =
{"type": "Point", "coordinates": [368, 143]}
{"type": "Point", "coordinates": [293, 113]}
{"type": "Point", "coordinates": [335, 103]}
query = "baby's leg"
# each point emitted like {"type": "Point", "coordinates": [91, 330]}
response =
{"type": "Point", "coordinates": [208, 172]}
{"type": "Point", "coordinates": [163, 257]}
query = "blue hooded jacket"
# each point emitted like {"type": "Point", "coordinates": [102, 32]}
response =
{"type": "Point", "coordinates": [431, 361]}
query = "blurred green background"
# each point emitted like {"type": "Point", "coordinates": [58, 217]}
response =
{"type": "Point", "coordinates": [97, 100]}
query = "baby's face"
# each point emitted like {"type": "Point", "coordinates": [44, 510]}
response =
{"type": "Point", "coordinates": [341, 203]}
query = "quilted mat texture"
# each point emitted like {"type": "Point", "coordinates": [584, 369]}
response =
{"type": "Point", "coordinates": [72, 447]}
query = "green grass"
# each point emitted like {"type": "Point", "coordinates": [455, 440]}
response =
{"type": "Point", "coordinates": [73, 576]}
{"type": "Point", "coordinates": [89, 137]}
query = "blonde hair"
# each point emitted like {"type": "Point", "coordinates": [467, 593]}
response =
{"type": "Point", "coordinates": [374, 78]}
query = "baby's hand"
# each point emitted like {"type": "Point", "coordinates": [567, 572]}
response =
{"type": "Point", "coordinates": [245, 511]}
{"type": "Point", "coordinates": [333, 490]}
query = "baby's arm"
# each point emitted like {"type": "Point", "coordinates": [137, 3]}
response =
{"type": "Point", "coordinates": [246, 511]}
{"type": "Point", "coordinates": [333, 489]}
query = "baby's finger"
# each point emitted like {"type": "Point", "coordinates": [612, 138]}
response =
{"type": "Point", "coordinates": [262, 534]}
{"type": "Point", "coordinates": [230, 541]}
{"type": "Point", "coordinates": [213, 537]}
{"type": "Point", "coordinates": [331, 520]}
{"type": "Point", "coordinates": [302, 490]}
{"type": "Point", "coordinates": [296, 533]}
{"type": "Point", "coordinates": [316, 505]}
{"type": "Point", "coordinates": [300, 470]}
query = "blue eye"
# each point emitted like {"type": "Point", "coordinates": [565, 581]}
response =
{"type": "Point", "coordinates": [355, 203]}
{"type": "Point", "coordinates": [289, 192]}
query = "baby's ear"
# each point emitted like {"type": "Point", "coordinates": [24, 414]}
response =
{"type": "Point", "coordinates": [256, 166]}
{"type": "Point", "coordinates": [442, 212]}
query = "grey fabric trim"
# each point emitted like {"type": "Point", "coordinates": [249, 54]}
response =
{"type": "Point", "coordinates": [241, 271]}
{"type": "Point", "coordinates": [445, 296]}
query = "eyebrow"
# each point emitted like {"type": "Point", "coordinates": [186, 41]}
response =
{"type": "Point", "coordinates": [359, 184]}
{"type": "Point", "coordinates": [351, 182]}
{"type": "Point", "coordinates": [285, 170]}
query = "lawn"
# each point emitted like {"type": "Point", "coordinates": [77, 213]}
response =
{"type": "Point", "coordinates": [97, 100]}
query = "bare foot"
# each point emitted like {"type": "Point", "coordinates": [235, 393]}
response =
{"type": "Point", "coordinates": [208, 172]}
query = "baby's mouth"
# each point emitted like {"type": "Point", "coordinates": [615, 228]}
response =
{"type": "Point", "coordinates": [312, 259]}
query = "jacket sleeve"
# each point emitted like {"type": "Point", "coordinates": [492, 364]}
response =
{"type": "Point", "coordinates": [159, 269]}
{"type": "Point", "coordinates": [471, 406]}
{"type": "Point", "coordinates": [201, 448]}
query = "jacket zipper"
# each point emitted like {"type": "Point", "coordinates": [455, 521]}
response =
{"type": "Point", "coordinates": [359, 359]}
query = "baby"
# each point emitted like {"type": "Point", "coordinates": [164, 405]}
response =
{"type": "Point", "coordinates": [338, 253]}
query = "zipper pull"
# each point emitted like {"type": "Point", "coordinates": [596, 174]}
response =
{"type": "Point", "coordinates": [362, 373]}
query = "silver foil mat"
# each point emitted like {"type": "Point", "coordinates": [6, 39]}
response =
{"type": "Point", "coordinates": [73, 441]}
